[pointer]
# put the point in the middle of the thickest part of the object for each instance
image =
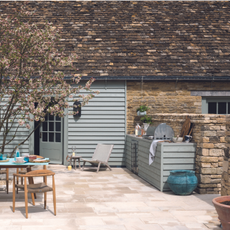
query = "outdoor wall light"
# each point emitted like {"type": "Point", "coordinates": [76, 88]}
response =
{"type": "Point", "coordinates": [77, 109]}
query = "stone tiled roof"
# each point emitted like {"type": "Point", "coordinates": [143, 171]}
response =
{"type": "Point", "coordinates": [150, 38]}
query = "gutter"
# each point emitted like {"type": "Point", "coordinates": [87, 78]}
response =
{"type": "Point", "coordinates": [156, 78]}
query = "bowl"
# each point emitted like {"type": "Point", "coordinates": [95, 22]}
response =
{"type": "Point", "coordinates": [19, 159]}
{"type": "Point", "coordinates": [177, 139]}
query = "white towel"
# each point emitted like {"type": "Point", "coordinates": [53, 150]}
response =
{"type": "Point", "coordinates": [152, 151]}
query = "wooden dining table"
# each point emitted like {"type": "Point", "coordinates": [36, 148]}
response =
{"type": "Point", "coordinates": [27, 166]}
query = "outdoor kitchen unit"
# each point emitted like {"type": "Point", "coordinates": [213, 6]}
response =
{"type": "Point", "coordinates": [168, 156]}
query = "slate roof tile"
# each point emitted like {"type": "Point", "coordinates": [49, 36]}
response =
{"type": "Point", "coordinates": [142, 38]}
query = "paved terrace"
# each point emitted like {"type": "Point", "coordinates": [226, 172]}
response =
{"type": "Point", "coordinates": [108, 200]}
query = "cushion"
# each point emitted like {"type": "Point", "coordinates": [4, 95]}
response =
{"type": "Point", "coordinates": [36, 188]}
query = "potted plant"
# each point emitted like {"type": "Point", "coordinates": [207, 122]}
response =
{"type": "Point", "coordinates": [141, 111]}
{"type": "Point", "coordinates": [147, 120]}
{"type": "Point", "coordinates": [222, 206]}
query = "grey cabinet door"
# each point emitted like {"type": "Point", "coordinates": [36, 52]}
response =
{"type": "Point", "coordinates": [51, 136]}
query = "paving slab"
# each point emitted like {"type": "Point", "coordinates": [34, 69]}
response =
{"type": "Point", "coordinates": [107, 200]}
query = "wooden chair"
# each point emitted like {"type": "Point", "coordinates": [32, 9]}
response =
{"type": "Point", "coordinates": [24, 171]}
{"type": "Point", "coordinates": [101, 156]}
{"type": "Point", "coordinates": [41, 187]}
{"type": "Point", "coordinates": [6, 171]}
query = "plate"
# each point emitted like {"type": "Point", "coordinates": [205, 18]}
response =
{"type": "Point", "coordinates": [4, 160]}
{"type": "Point", "coordinates": [39, 161]}
{"type": "Point", "coordinates": [19, 163]}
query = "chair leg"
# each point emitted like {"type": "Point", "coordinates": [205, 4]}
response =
{"type": "Point", "coordinates": [45, 198]}
{"type": "Point", "coordinates": [82, 168]}
{"type": "Point", "coordinates": [32, 196]}
{"type": "Point", "coordinates": [45, 194]}
{"type": "Point", "coordinates": [54, 197]}
{"type": "Point", "coordinates": [7, 180]}
{"type": "Point", "coordinates": [109, 167]}
{"type": "Point", "coordinates": [13, 194]}
{"type": "Point", "coordinates": [98, 167]}
{"type": "Point", "coordinates": [21, 180]}
{"type": "Point", "coordinates": [26, 197]}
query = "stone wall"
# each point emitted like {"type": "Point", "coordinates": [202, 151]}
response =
{"type": "Point", "coordinates": [225, 183]}
{"type": "Point", "coordinates": [166, 97]}
{"type": "Point", "coordinates": [209, 135]}
{"type": "Point", "coordinates": [170, 103]}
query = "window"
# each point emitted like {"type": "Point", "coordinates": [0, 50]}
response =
{"type": "Point", "coordinates": [215, 105]}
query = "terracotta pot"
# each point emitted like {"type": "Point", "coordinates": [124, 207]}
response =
{"type": "Point", "coordinates": [223, 211]}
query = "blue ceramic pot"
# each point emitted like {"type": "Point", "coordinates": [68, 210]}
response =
{"type": "Point", "coordinates": [182, 182]}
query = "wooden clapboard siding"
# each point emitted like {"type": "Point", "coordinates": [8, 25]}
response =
{"type": "Point", "coordinates": [168, 156]}
{"type": "Point", "coordinates": [102, 121]}
{"type": "Point", "coordinates": [128, 152]}
{"type": "Point", "coordinates": [22, 134]}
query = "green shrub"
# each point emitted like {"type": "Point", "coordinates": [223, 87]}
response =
{"type": "Point", "coordinates": [146, 119]}
{"type": "Point", "coordinates": [143, 108]}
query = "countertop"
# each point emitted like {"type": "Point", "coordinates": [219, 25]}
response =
{"type": "Point", "coordinates": [165, 142]}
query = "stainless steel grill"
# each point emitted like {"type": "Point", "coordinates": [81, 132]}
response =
{"type": "Point", "coordinates": [160, 132]}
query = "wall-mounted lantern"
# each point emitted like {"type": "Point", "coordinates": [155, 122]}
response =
{"type": "Point", "coordinates": [77, 109]}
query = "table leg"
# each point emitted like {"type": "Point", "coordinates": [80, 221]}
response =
{"type": "Point", "coordinates": [75, 164]}
{"type": "Point", "coordinates": [7, 180]}
{"type": "Point", "coordinates": [79, 163]}
{"type": "Point", "coordinates": [45, 194]}
{"type": "Point", "coordinates": [70, 161]}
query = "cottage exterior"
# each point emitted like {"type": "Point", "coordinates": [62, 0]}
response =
{"type": "Point", "coordinates": [172, 56]}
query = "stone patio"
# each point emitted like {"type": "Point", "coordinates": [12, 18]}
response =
{"type": "Point", "coordinates": [107, 200]}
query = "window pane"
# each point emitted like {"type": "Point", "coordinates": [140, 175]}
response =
{"type": "Point", "coordinates": [228, 107]}
{"type": "Point", "coordinates": [222, 108]}
{"type": "Point", "coordinates": [51, 117]}
{"type": "Point", "coordinates": [58, 118]}
{"type": "Point", "coordinates": [51, 137]}
{"type": "Point", "coordinates": [58, 126]}
{"type": "Point", "coordinates": [212, 107]}
{"type": "Point", "coordinates": [46, 117]}
{"type": "Point", "coordinates": [44, 126]}
{"type": "Point", "coordinates": [44, 137]}
{"type": "Point", "coordinates": [58, 137]}
{"type": "Point", "coordinates": [51, 126]}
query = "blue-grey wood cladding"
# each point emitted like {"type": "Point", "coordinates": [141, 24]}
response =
{"type": "Point", "coordinates": [102, 121]}
{"type": "Point", "coordinates": [21, 135]}
{"type": "Point", "coordinates": [168, 156]}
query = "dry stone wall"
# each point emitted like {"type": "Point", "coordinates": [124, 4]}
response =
{"type": "Point", "coordinates": [225, 183]}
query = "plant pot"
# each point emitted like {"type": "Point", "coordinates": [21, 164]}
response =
{"type": "Point", "coordinates": [182, 182]}
{"type": "Point", "coordinates": [223, 211]}
{"type": "Point", "coordinates": [141, 113]}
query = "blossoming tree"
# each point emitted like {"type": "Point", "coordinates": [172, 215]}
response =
{"type": "Point", "coordinates": [30, 75]}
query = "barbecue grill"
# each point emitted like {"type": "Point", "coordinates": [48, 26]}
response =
{"type": "Point", "coordinates": [160, 132]}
